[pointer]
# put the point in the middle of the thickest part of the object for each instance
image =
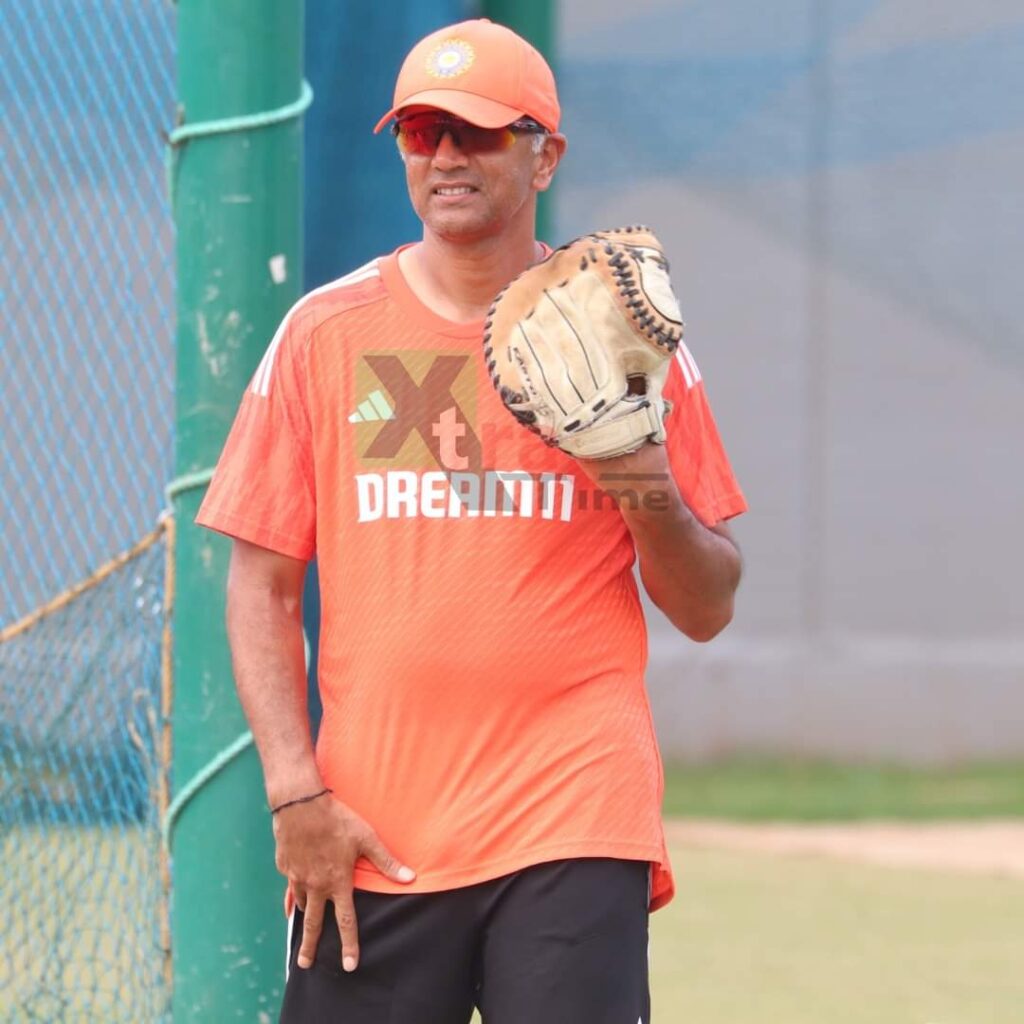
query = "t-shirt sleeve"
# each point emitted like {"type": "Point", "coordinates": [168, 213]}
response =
{"type": "Point", "coordinates": [263, 489]}
{"type": "Point", "coordinates": [700, 466]}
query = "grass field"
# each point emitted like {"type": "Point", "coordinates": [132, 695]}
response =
{"type": "Point", "coordinates": [757, 939]}
{"type": "Point", "coordinates": [752, 939]}
{"type": "Point", "coordinates": [753, 789]}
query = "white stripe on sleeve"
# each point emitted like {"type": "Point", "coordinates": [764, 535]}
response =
{"type": "Point", "coordinates": [261, 379]}
{"type": "Point", "coordinates": [688, 365]}
{"type": "Point", "coordinates": [685, 367]}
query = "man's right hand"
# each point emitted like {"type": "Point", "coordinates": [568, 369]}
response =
{"type": "Point", "coordinates": [318, 844]}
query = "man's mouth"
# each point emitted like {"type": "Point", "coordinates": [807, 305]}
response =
{"type": "Point", "coordinates": [454, 190]}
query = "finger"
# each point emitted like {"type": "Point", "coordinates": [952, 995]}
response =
{"type": "Point", "coordinates": [379, 855]}
{"type": "Point", "coordinates": [299, 895]}
{"type": "Point", "coordinates": [345, 914]}
{"type": "Point", "coordinates": [312, 926]}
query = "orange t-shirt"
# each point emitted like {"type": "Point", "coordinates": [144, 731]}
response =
{"type": "Point", "coordinates": [482, 645]}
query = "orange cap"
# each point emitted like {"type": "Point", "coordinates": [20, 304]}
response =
{"type": "Point", "coordinates": [481, 72]}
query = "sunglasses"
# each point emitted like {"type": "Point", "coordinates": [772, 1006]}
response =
{"type": "Point", "coordinates": [421, 134]}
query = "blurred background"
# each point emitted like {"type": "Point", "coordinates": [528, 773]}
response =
{"type": "Point", "coordinates": [839, 187]}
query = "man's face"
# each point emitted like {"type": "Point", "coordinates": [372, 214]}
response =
{"type": "Point", "coordinates": [463, 192]}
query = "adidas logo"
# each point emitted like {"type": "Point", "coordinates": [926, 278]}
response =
{"type": "Point", "coordinates": [372, 409]}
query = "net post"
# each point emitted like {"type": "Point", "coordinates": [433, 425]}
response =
{"type": "Point", "coordinates": [164, 745]}
{"type": "Point", "coordinates": [535, 21]}
{"type": "Point", "coordinates": [237, 205]}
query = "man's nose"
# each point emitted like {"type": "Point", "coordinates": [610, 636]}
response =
{"type": "Point", "coordinates": [448, 154]}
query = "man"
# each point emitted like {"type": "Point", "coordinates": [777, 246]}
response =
{"type": "Point", "coordinates": [480, 821]}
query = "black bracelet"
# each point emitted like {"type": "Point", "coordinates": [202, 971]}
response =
{"type": "Point", "coordinates": [300, 800]}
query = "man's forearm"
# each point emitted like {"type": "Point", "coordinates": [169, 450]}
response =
{"type": "Point", "coordinates": [267, 652]}
{"type": "Point", "coordinates": [690, 572]}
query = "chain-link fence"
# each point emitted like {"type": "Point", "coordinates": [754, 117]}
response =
{"type": "Point", "coordinates": [87, 405]}
{"type": "Point", "coordinates": [87, 393]}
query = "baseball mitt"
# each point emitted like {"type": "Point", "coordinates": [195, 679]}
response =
{"type": "Point", "coordinates": [578, 346]}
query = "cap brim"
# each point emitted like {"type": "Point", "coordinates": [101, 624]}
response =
{"type": "Point", "coordinates": [475, 109]}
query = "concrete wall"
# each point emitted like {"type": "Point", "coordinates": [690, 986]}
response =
{"type": "Point", "coordinates": [839, 185]}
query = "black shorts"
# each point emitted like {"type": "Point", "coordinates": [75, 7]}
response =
{"type": "Point", "coordinates": [558, 943]}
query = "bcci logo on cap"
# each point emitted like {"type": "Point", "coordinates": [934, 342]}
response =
{"type": "Point", "coordinates": [449, 59]}
{"type": "Point", "coordinates": [416, 409]}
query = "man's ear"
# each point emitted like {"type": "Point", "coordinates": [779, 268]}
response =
{"type": "Point", "coordinates": [548, 159]}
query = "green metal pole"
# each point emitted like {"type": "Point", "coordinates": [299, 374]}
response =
{"type": "Point", "coordinates": [534, 20]}
{"type": "Point", "coordinates": [238, 214]}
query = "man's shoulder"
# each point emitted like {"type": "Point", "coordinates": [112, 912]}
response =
{"type": "Point", "coordinates": [323, 305]}
{"type": "Point", "coordinates": [353, 290]}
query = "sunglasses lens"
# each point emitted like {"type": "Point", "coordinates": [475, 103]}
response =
{"type": "Point", "coordinates": [418, 137]}
{"type": "Point", "coordinates": [422, 136]}
{"type": "Point", "coordinates": [488, 140]}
